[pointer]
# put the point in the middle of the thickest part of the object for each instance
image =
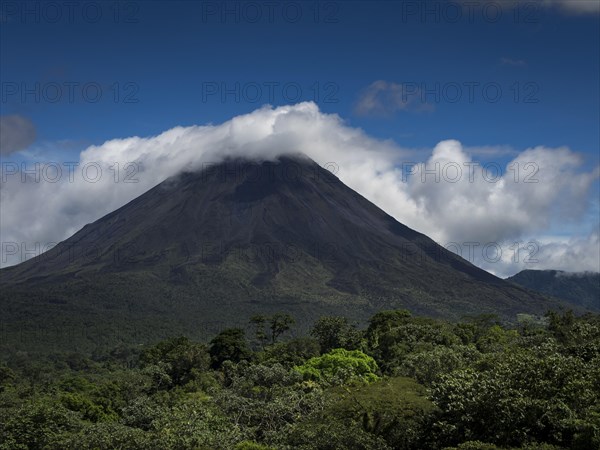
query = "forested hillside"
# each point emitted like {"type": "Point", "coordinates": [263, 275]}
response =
{"type": "Point", "coordinates": [578, 288]}
{"type": "Point", "coordinates": [403, 382]}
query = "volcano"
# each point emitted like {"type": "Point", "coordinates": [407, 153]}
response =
{"type": "Point", "coordinates": [208, 249]}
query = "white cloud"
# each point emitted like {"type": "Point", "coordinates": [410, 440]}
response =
{"type": "Point", "coordinates": [577, 254]}
{"type": "Point", "coordinates": [505, 258]}
{"type": "Point", "coordinates": [539, 188]}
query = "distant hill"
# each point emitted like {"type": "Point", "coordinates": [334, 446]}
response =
{"type": "Point", "coordinates": [206, 250]}
{"type": "Point", "coordinates": [579, 288]}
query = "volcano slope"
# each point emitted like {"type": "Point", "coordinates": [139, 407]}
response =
{"type": "Point", "coordinates": [206, 250]}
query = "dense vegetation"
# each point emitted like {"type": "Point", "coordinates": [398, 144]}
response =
{"type": "Point", "coordinates": [578, 288]}
{"type": "Point", "coordinates": [404, 382]}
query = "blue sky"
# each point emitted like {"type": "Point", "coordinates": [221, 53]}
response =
{"type": "Point", "coordinates": [533, 73]}
{"type": "Point", "coordinates": [175, 48]}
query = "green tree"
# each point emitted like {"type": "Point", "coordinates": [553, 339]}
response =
{"type": "Point", "coordinates": [107, 435]}
{"type": "Point", "coordinates": [517, 397]}
{"type": "Point", "coordinates": [7, 376]}
{"type": "Point", "coordinates": [290, 353]}
{"type": "Point", "coordinates": [37, 424]}
{"type": "Point", "coordinates": [560, 324]}
{"type": "Point", "coordinates": [180, 358]}
{"type": "Point", "coordinates": [383, 322]}
{"type": "Point", "coordinates": [263, 400]}
{"type": "Point", "coordinates": [340, 366]}
{"type": "Point", "coordinates": [396, 409]}
{"type": "Point", "coordinates": [392, 335]}
{"type": "Point", "coordinates": [190, 424]}
{"type": "Point", "coordinates": [279, 324]}
{"type": "Point", "coordinates": [496, 338]}
{"type": "Point", "coordinates": [327, 433]}
{"type": "Point", "coordinates": [335, 332]}
{"type": "Point", "coordinates": [259, 321]}
{"type": "Point", "coordinates": [249, 445]}
{"type": "Point", "coordinates": [428, 366]}
{"type": "Point", "coordinates": [229, 345]}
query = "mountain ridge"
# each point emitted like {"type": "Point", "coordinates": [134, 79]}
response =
{"type": "Point", "coordinates": [578, 288]}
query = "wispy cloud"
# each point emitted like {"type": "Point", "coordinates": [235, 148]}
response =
{"type": "Point", "coordinates": [491, 150]}
{"type": "Point", "coordinates": [16, 133]}
{"type": "Point", "coordinates": [576, 6]}
{"type": "Point", "coordinates": [569, 7]}
{"type": "Point", "coordinates": [385, 98]}
{"type": "Point", "coordinates": [512, 62]}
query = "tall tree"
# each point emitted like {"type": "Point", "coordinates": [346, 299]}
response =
{"type": "Point", "coordinates": [335, 332]}
{"type": "Point", "coordinates": [229, 345]}
{"type": "Point", "coordinates": [260, 333]}
{"type": "Point", "coordinates": [280, 323]}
